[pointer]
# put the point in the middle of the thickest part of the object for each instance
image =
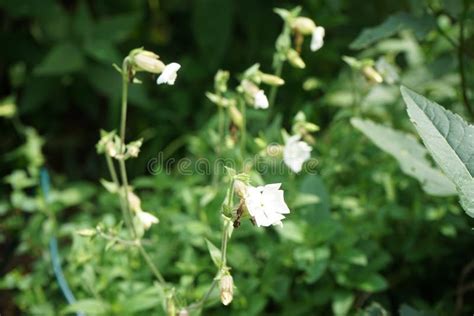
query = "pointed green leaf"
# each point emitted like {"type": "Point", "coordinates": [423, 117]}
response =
{"type": "Point", "coordinates": [215, 253]}
{"type": "Point", "coordinates": [93, 306]}
{"type": "Point", "coordinates": [410, 154]}
{"type": "Point", "coordinates": [449, 139]}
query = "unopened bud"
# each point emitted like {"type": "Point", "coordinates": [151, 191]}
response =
{"type": "Point", "coordinates": [183, 312]}
{"type": "Point", "coordinates": [134, 202]}
{"type": "Point", "coordinates": [295, 59]}
{"type": "Point", "coordinates": [86, 232]}
{"type": "Point", "coordinates": [220, 81]}
{"type": "Point", "coordinates": [148, 61]}
{"type": "Point", "coordinates": [303, 25]}
{"type": "Point", "coordinates": [133, 149]}
{"type": "Point", "coordinates": [371, 74]}
{"type": "Point", "coordinates": [111, 149]}
{"type": "Point", "coordinates": [249, 87]}
{"type": "Point", "coordinates": [271, 79]}
{"type": "Point", "coordinates": [7, 109]}
{"type": "Point", "coordinates": [236, 116]}
{"type": "Point", "coordinates": [227, 289]}
{"type": "Point", "coordinates": [240, 188]}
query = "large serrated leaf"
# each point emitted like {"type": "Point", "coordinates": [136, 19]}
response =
{"type": "Point", "coordinates": [449, 139]}
{"type": "Point", "coordinates": [410, 154]}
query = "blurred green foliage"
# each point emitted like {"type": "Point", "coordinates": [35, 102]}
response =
{"type": "Point", "coordinates": [375, 243]}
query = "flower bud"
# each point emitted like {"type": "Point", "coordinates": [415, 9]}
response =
{"type": "Point", "coordinates": [133, 149]}
{"type": "Point", "coordinates": [295, 59]}
{"type": "Point", "coordinates": [249, 87]}
{"type": "Point", "coordinates": [7, 109]}
{"type": "Point", "coordinates": [183, 312]}
{"type": "Point", "coordinates": [148, 61]}
{"type": "Point", "coordinates": [227, 289]}
{"type": "Point", "coordinates": [371, 74]}
{"type": "Point", "coordinates": [87, 232]}
{"type": "Point", "coordinates": [303, 25]}
{"type": "Point", "coordinates": [220, 81]}
{"type": "Point", "coordinates": [134, 202]}
{"type": "Point", "coordinates": [111, 149]}
{"type": "Point", "coordinates": [236, 116]}
{"type": "Point", "coordinates": [240, 188]}
{"type": "Point", "coordinates": [271, 79]}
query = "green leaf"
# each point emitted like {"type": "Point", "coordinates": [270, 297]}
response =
{"type": "Point", "coordinates": [407, 310]}
{"type": "Point", "coordinates": [92, 306]}
{"type": "Point", "coordinates": [410, 154]}
{"type": "Point", "coordinates": [144, 300]}
{"type": "Point", "coordinates": [372, 283]}
{"type": "Point", "coordinates": [215, 253]}
{"type": "Point", "coordinates": [62, 59]}
{"type": "Point", "coordinates": [304, 199]}
{"type": "Point", "coordinates": [116, 28]}
{"type": "Point", "coordinates": [391, 26]}
{"type": "Point", "coordinates": [314, 212]}
{"type": "Point", "coordinates": [342, 302]}
{"type": "Point", "coordinates": [449, 139]}
{"type": "Point", "coordinates": [102, 51]}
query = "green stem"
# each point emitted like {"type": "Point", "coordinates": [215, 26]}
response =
{"type": "Point", "coordinates": [462, 72]}
{"type": "Point", "coordinates": [224, 241]}
{"type": "Point", "coordinates": [274, 90]}
{"type": "Point", "coordinates": [123, 174]}
{"type": "Point", "coordinates": [221, 131]}
{"type": "Point", "coordinates": [243, 132]}
{"type": "Point", "coordinates": [123, 120]}
{"type": "Point", "coordinates": [126, 215]}
{"type": "Point", "coordinates": [150, 263]}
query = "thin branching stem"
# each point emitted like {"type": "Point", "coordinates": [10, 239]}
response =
{"type": "Point", "coordinates": [123, 174]}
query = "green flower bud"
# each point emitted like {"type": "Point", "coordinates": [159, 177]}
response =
{"type": "Point", "coordinates": [371, 74]}
{"type": "Point", "coordinates": [303, 25]}
{"type": "Point", "coordinates": [236, 116]}
{"type": "Point", "coordinates": [295, 59]}
{"type": "Point", "coordinates": [271, 79]}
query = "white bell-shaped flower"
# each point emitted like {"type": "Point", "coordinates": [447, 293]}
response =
{"type": "Point", "coordinates": [295, 153]}
{"type": "Point", "coordinates": [169, 74]}
{"type": "Point", "coordinates": [266, 204]}
{"type": "Point", "coordinates": [146, 219]}
{"type": "Point", "coordinates": [261, 100]}
{"type": "Point", "coordinates": [317, 38]}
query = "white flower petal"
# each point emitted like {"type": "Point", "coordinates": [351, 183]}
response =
{"type": "Point", "coordinates": [261, 101]}
{"type": "Point", "coordinates": [266, 204]}
{"type": "Point", "coordinates": [317, 38]}
{"type": "Point", "coordinates": [146, 219]}
{"type": "Point", "coordinates": [169, 74]}
{"type": "Point", "coordinates": [295, 153]}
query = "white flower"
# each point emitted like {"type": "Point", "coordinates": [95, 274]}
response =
{"type": "Point", "coordinates": [134, 202]}
{"type": "Point", "coordinates": [295, 153]}
{"type": "Point", "coordinates": [266, 204]}
{"type": "Point", "coordinates": [317, 39]}
{"type": "Point", "coordinates": [169, 74]}
{"type": "Point", "coordinates": [260, 99]}
{"type": "Point", "coordinates": [146, 219]}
